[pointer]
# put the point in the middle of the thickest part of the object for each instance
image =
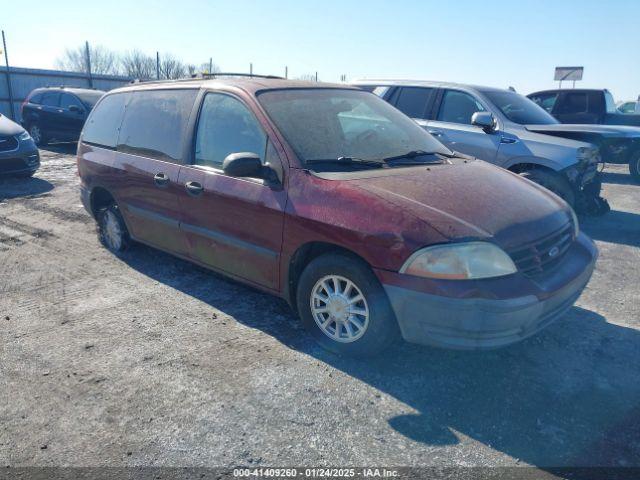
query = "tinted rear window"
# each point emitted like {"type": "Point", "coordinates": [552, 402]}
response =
{"type": "Point", "coordinates": [154, 123]}
{"type": "Point", "coordinates": [103, 123]}
{"type": "Point", "coordinates": [35, 98]}
{"type": "Point", "coordinates": [50, 99]}
{"type": "Point", "coordinates": [412, 101]}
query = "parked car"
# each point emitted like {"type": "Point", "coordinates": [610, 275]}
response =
{"type": "Point", "coordinates": [57, 113]}
{"type": "Point", "coordinates": [18, 153]}
{"type": "Point", "coordinates": [495, 125]}
{"type": "Point", "coordinates": [583, 106]}
{"type": "Point", "coordinates": [627, 107]}
{"type": "Point", "coordinates": [334, 200]}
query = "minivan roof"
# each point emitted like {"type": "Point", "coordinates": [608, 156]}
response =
{"type": "Point", "coordinates": [68, 89]}
{"type": "Point", "coordinates": [249, 84]}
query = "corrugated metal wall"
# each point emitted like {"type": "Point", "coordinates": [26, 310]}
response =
{"type": "Point", "coordinates": [23, 80]}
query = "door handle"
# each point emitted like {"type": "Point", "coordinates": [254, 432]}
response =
{"type": "Point", "coordinates": [194, 188]}
{"type": "Point", "coordinates": [161, 179]}
{"type": "Point", "coordinates": [435, 133]}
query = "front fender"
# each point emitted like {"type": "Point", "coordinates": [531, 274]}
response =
{"type": "Point", "coordinates": [544, 162]}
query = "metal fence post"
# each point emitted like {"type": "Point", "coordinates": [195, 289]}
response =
{"type": "Point", "coordinates": [157, 65]}
{"type": "Point", "coordinates": [9, 90]}
{"type": "Point", "coordinates": [86, 47]}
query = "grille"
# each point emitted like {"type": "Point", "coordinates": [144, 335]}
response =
{"type": "Point", "coordinates": [8, 144]}
{"type": "Point", "coordinates": [10, 164]}
{"type": "Point", "coordinates": [544, 254]}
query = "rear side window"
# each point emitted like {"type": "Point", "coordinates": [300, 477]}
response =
{"type": "Point", "coordinates": [103, 125]}
{"type": "Point", "coordinates": [412, 101]}
{"type": "Point", "coordinates": [226, 126]}
{"type": "Point", "coordinates": [154, 123]}
{"type": "Point", "coordinates": [51, 99]}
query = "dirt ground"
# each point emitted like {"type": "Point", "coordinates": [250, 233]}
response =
{"type": "Point", "coordinates": [149, 360]}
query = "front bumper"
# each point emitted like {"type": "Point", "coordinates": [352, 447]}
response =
{"type": "Point", "coordinates": [24, 160]}
{"type": "Point", "coordinates": [521, 311]}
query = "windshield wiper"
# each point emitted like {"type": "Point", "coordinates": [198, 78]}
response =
{"type": "Point", "coordinates": [347, 161]}
{"type": "Point", "coordinates": [417, 153]}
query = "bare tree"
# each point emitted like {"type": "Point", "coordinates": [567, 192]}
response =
{"type": "Point", "coordinates": [136, 64]}
{"type": "Point", "coordinates": [103, 60]}
{"type": "Point", "coordinates": [171, 68]}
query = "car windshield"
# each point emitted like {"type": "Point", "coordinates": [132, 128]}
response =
{"type": "Point", "coordinates": [90, 98]}
{"type": "Point", "coordinates": [340, 126]}
{"type": "Point", "coordinates": [519, 109]}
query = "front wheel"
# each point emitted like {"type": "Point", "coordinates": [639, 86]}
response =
{"type": "Point", "coordinates": [38, 136]}
{"type": "Point", "coordinates": [344, 306]}
{"type": "Point", "coordinates": [634, 166]}
{"type": "Point", "coordinates": [552, 181]}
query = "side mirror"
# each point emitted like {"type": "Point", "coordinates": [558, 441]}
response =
{"type": "Point", "coordinates": [75, 108]}
{"type": "Point", "coordinates": [243, 164]}
{"type": "Point", "coordinates": [484, 120]}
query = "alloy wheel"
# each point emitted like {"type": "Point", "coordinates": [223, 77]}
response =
{"type": "Point", "coordinates": [339, 308]}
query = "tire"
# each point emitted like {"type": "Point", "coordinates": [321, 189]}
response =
{"type": "Point", "coordinates": [634, 166]}
{"type": "Point", "coordinates": [112, 231]}
{"type": "Point", "coordinates": [360, 335]}
{"type": "Point", "coordinates": [552, 181]}
{"type": "Point", "coordinates": [38, 136]}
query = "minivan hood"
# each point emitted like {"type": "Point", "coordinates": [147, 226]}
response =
{"type": "Point", "coordinates": [601, 130]}
{"type": "Point", "coordinates": [9, 128]}
{"type": "Point", "coordinates": [473, 200]}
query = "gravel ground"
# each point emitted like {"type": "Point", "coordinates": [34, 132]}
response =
{"type": "Point", "coordinates": [149, 360]}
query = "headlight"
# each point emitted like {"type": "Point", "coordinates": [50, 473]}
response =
{"type": "Point", "coordinates": [588, 155]}
{"type": "Point", "coordinates": [576, 225]}
{"type": "Point", "coordinates": [460, 261]}
{"type": "Point", "coordinates": [24, 136]}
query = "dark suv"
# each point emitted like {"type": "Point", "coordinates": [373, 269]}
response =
{"type": "Point", "coordinates": [331, 198]}
{"type": "Point", "coordinates": [57, 113]}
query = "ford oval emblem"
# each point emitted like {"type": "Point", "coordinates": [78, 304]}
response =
{"type": "Point", "coordinates": [554, 251]}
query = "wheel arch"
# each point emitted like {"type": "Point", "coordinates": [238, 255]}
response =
{"type": "Point", "coordinates": [303, 256]}
{"type": "Point", "coordinates": [99, 198]}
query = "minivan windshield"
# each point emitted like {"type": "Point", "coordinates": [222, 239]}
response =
{"type": "Point", "coordinates": [519, 109]}
{"type": "Point", "coordinates": [347, 127]}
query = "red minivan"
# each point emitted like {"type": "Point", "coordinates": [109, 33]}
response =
{"type": "Point", "coordinates": [331, 198]}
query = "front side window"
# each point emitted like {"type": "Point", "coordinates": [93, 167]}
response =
{"type": "Point", "coordinates": [518, 108]}
{"type": "Point", "coordinates": [574, 102]}
{"type": "Point", "coordinates": [546, 100]}
{"type": "Point", "coordinates": [412, 101]}
{"type": "Point", "coordinates": [458, 107]}
{"type": "Point", "coordinates": [50, 99]}
{"type": "Point", "coordinates": [66, 100]}
{"type": "Point", "coordinates": [103, 125]}
{"type": "Point", "coordinates": [226, 126]}
{"type": "Point", "coordinates": [326, 124]}
{"type": "Point", "coordinates": [155, 122]}
{"type": "Point", "coordinates": [611, 104]}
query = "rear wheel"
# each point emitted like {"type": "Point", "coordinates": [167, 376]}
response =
{"type": "Point", "coordinates": [552, 181]}
{"type": "Point", "coordinates": [38, 136]}
{"type": "Point", "coordinates": [112, 230]}
{"type": "Point", "coordinates": [345, 308]}
{"type": "Point", "coordinates": [634, 166]}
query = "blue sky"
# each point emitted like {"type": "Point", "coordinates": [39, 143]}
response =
{"type": "Point", "coordinates": [498, 43]}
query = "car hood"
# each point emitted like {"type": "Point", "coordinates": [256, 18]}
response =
{"type": "Point", "coordinates": [473, 200]}
{"type": "Point", "coordinates": [8, 127]}
{"type": "Point", "coordinates": [608, 131]}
